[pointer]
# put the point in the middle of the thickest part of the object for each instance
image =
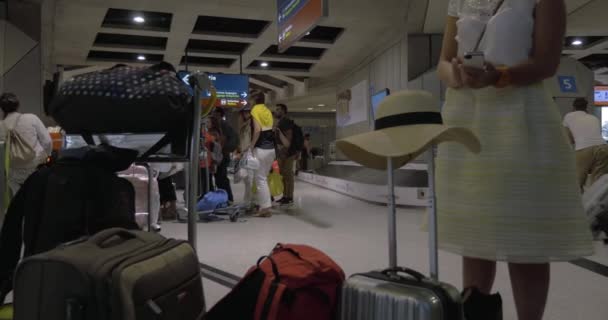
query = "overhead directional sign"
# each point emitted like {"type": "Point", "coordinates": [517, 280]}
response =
{"type": "Point", "coordinates": [232, 90]}
{"type": "Point", "coordinates": [296, 18]}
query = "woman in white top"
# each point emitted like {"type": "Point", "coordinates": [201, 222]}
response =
{"type": "Point", "coordinates": [34, 133]}
{"type": "Point", "coordinates": [518, 200]}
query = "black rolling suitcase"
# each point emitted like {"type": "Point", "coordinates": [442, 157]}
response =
{"type": "Point", "coordinates": [116, 274]}
{"type": "Point", "coordinates": [400, 293]}
{"type": "Point", "coordinates": [78, 195]}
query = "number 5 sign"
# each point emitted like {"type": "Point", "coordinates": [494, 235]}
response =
{"type": "Point", "coordinates": [567, 84]}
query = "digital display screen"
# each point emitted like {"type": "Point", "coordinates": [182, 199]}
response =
{"type": "Point", "coordinates": [601, 96]}
{"type": "Point", "coordinates": [605, 123]}
{"type": "Point", "coordinates": [296, 18]}
{"type": "Point", "coordinates": [232, 89]}
{"type": "Point", "coordinates": [377, 99]}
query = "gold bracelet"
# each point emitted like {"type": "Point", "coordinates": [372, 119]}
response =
{"type": "Point", "coordinates": [505, 77]}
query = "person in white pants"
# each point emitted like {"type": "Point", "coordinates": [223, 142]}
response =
{"type": "Point", "coordinates": [263, 144]}
{"type": "Point", "coordinates": [245, 133]}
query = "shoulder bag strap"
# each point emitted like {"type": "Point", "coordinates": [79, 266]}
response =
{"type": "Point", "coordinates": [11, 128]}
{"type": "Point", "coordinates": [485, 27]}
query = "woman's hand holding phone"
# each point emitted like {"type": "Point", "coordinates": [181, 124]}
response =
{"type": "Point", "coordinates": [456, 82]}
{"type": "Point", "coordinates": [476, 78]}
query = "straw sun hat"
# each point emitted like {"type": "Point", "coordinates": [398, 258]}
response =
{"type": "Point", "coordinates": [407, 124]}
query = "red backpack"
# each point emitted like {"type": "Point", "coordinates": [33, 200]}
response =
{"type": "Point", "coordinates": [295, 282]}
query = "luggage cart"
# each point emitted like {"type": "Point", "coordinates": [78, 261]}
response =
{"type": "Point", "coordinates": [199, 83]}
{"type": "Point", "coordinates": [232, 212]}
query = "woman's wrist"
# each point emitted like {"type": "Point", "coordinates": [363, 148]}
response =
{"type": "Point", "coordinates": [503, 79]}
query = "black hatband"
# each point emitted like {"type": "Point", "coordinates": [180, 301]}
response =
{"type": "Point", "coordinates": [410, 118]}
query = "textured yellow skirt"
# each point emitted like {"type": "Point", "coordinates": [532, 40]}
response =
{"type": "Point", "coordinates": [517, 200]}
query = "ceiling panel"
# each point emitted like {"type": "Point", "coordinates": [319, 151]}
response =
{"type": "Point", "coordinates": [209, 46]}
{"type": "Point", "coordinates": [124, 57]}
{"type": "Point", "coordinates": [128, 19]}
{"type": "Point", "coordinates": [230, 26]}
{"type": "Point", "coordinates": [224, 30]}
{"type": "Point", "coordinates": [294, 52]}
{"type": "Point", "coordinates": [323, 34]}
{"type": "Point", "coordinates": [130, 41]}
{"type": "Point", "coordinates": [596, 61]}
{"type": "Point", "coordinates": [276, 65]}
{"type": "Point", "coordinates": [208, 61]}
{"type": "Point", "coordinates": [586, 42]}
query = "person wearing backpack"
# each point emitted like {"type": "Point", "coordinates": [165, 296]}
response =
{"type": "Point", "coordinates": [289, 144]}
{"type": "Point", "coordinates": [27, 142]}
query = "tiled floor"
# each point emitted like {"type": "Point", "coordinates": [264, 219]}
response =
{"type": "Point", "coordinates": [354, 234]}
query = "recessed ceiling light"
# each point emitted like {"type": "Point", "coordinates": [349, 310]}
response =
{"type": "Point", "coordinates": [141, 58]}
{"type": "Point", "coordinates": [321, 105]}
{"type": "Point", "coordinates": [264, 64]}
{"type": "Point", "coordinates": [577, 42]}
{"type": "Point", "coordinates": [310, 109]}
{"type": "Point", "coordinates": [139, 19]}
{"type": "Point", "coordinates": [308, 33]}
{"type": "Point", "coordinates": [333, 110]}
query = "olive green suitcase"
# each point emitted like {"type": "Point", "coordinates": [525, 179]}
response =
{"type": "Point", "coordinates": [116, 274]}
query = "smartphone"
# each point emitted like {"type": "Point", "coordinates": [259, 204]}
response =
{"type": "Point", "coordinates": [474, 60]}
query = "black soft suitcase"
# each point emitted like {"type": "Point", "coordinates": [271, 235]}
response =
{"type": "Point", "coordinates": [126, 99]}
{"type": "Point", "coordinates": [116, 274]}
{"type": "Point", "coordinates": [123, 99]}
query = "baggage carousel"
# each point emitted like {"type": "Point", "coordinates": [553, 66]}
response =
{"type": "Point", "coordinates": [351, 179]}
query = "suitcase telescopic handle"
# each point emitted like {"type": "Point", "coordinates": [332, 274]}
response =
{"type": "Point", "coordinates": [392, 218]}
{"type": "Point", "coordinates": [102, 240]}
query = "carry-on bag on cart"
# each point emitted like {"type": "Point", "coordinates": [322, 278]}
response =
{"type": "Point", "coordinates": [595, 203]}
{"type": "Point", "coordinates": [294, 282]}
{"type": "Point", "coordinates": [212, 200]}
{"type": "Point", "coordinates": [116, 274]}
{"type": "Point", "coordinates": [147, 194]}
{"type": "Point", "coordinates": [126, 99]}
{"type": "Point", "coordinates": [408, 124]}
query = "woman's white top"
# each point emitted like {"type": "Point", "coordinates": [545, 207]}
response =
{"type": "Point", "coordinates": [33, 131]}
{"type": "Point", "coordinates": [509, 34]}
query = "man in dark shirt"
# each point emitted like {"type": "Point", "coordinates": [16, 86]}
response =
{"type": "Point", "coordinates": [230, 142]}
{"type": "Point", "coordinates": [285, 155]}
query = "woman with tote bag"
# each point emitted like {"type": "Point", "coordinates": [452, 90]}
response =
{"type": "Point", "coordinates": [27, 141]}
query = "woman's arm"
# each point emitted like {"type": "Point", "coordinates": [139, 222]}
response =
{"type": "Point", "coordinates": [257, 129]}
{"type": "Point", "coordinates": [448, 68]}
{"type": "Point", "coordinates": [549, 30]}
{"type": "Point", "coordinates": [43, 135]}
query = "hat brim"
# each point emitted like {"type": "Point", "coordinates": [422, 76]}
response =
{"type": "Point", "coordinates": [402, 144]}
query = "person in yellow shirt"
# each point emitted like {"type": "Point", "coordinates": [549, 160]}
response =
{"type": "Point", "coordinates": [263, 144]}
